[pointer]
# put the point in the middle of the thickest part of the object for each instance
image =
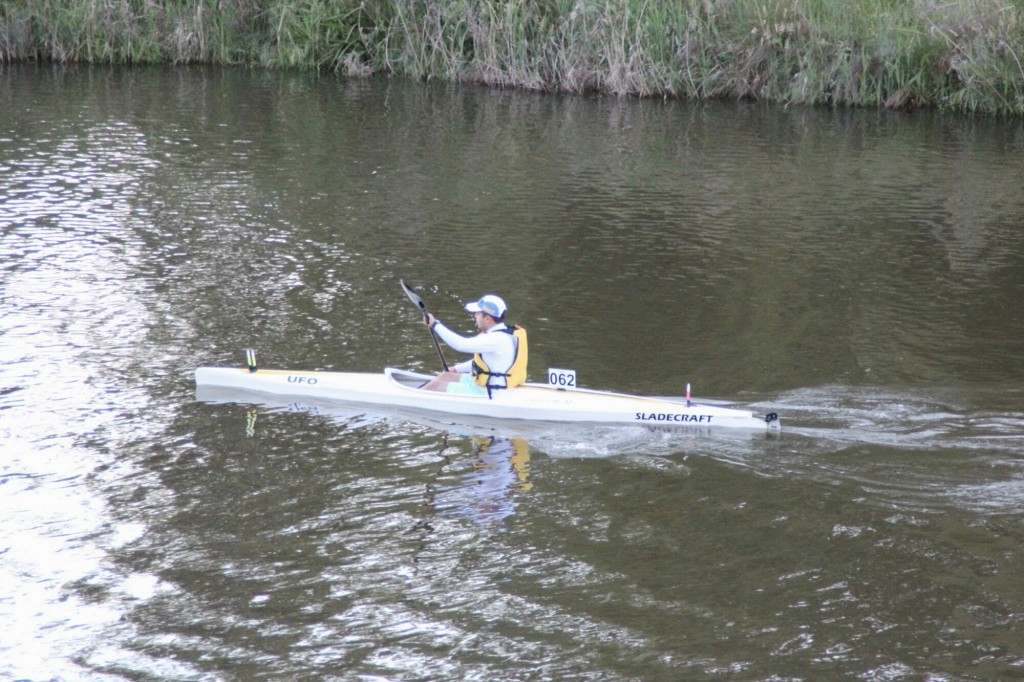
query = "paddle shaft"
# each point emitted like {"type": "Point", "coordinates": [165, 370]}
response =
{"type": "Point", "coordinates": [418, 300]}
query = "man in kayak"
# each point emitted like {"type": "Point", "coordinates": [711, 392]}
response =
{"type": "Point", "coordinates": [500, 351]}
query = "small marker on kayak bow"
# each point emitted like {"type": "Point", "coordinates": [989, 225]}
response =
{"type": "Point", "coordinates": [250, 359]}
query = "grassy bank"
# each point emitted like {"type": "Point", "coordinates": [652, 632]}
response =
{"type": "Point", "coordinates": [965, 55]}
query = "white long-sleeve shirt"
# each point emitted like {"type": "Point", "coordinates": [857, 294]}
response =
{"type": "Point", "coordinates": [496, 346]}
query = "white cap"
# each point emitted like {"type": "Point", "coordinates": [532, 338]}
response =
{"type": "Point", "coordinates": [490, 304]}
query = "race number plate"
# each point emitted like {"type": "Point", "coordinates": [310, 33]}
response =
{"type": "Point", "coordinates": [562, 378]}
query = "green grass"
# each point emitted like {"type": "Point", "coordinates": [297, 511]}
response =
{"type": "Point", "coordinates": [963, 55]}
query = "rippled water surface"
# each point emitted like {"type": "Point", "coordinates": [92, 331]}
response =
{"type": "Point", "coordinates": [860, 273]}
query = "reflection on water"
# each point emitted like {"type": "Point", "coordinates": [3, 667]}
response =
{"type": "Point", "coordinates": [895, 440]}
{"type": "Point", "coordinates": [860, 272]}
{"type": "Point", "coordinates": [73, 319]}
{"type": "Point", "coordinates": [481, 486]}
{"type": "Point", "coordinates": [486, 484]}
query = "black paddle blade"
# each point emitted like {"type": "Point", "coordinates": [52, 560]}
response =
{"type": "Point", "coordinates": [414, 297]}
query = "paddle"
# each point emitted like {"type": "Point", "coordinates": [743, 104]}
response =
{"type": "Point", "coordinates": [418, 300]}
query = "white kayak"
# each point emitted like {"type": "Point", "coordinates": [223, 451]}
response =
{"type": "Point", "coordinates": [396, 388]}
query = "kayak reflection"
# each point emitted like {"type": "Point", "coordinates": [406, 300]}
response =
{"type": "Point", "coordinates": [487, 483]}
{"type": "Point", "coordinates": [482, 486]}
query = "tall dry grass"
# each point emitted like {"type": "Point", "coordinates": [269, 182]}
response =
{"type": "Point", "coordinates": [963, 55]}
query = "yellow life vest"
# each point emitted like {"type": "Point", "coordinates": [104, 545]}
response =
{"type": "Point", "coordinates": [516, 374]}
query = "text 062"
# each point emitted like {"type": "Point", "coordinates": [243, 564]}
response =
{"type": "Point", "coordinates": [562, 378]}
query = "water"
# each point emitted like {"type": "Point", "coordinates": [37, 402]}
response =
{"type": "Point", "coordinates": [859, 272]}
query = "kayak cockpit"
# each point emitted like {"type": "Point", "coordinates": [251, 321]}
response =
{"type": "Point", "coordinates": [406, 379]}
